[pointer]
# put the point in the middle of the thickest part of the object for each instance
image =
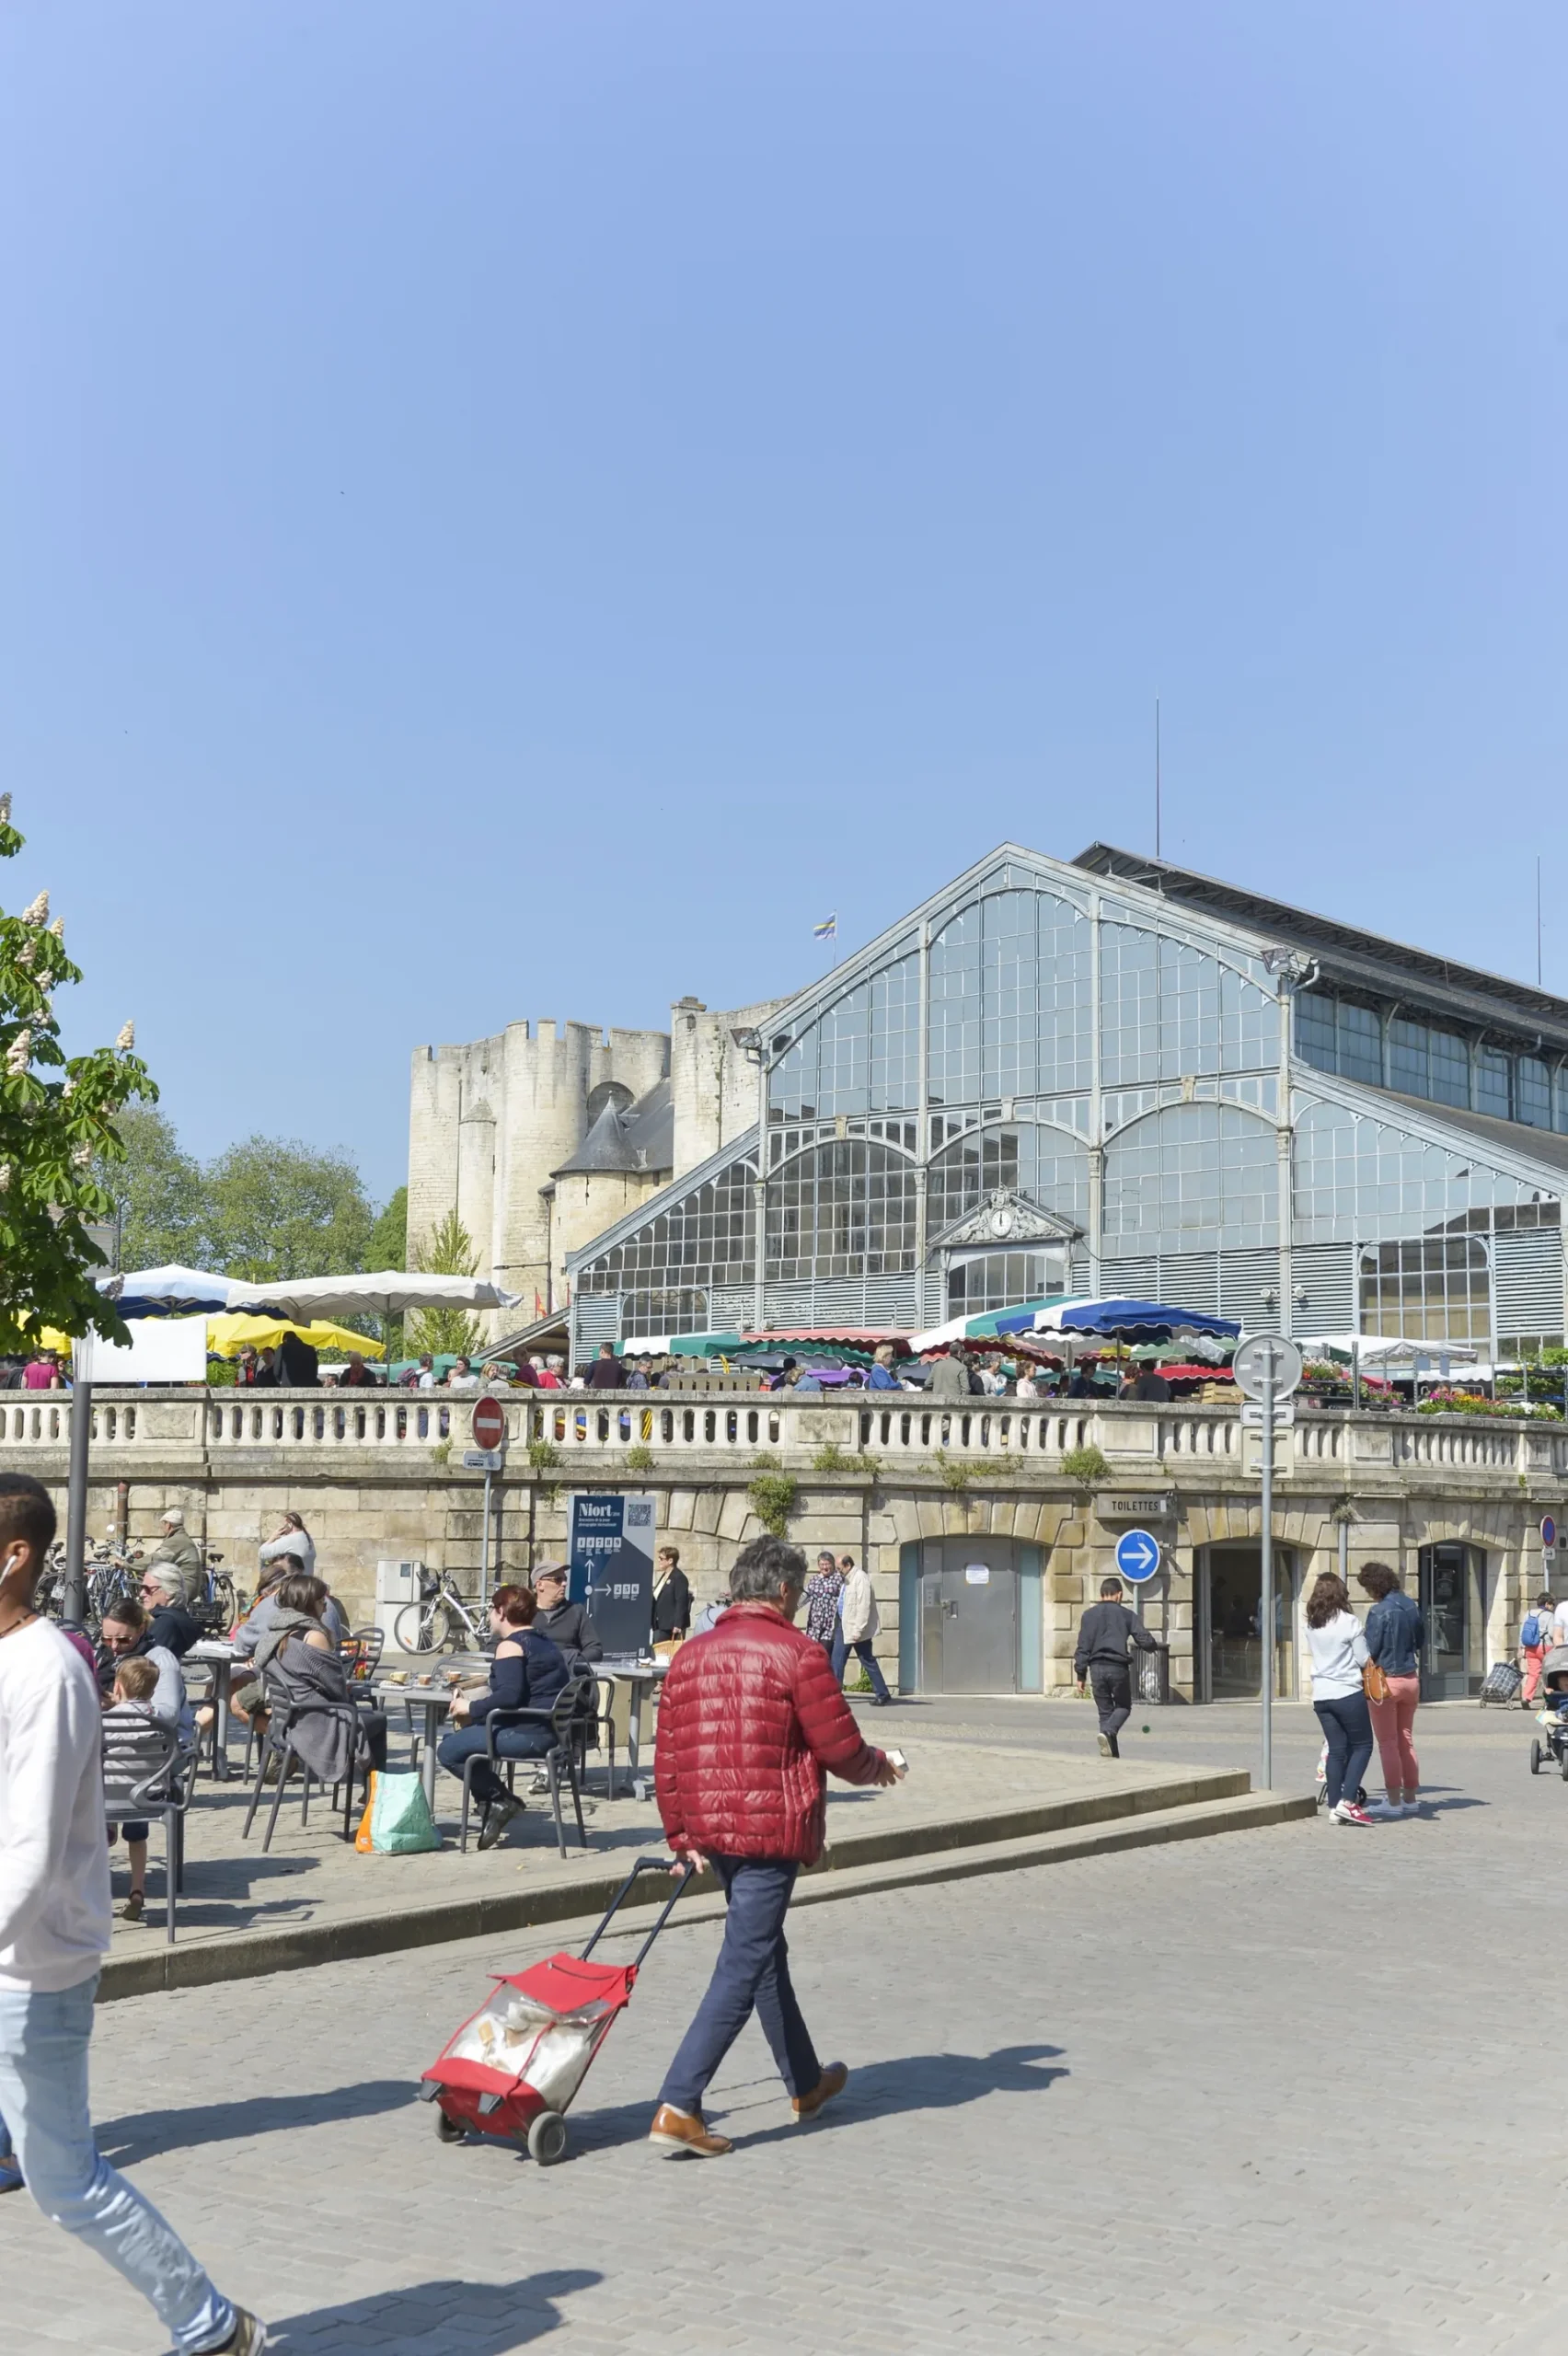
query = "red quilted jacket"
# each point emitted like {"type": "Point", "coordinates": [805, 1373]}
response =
{"type": "Point", "coordinates": [750, 1717]}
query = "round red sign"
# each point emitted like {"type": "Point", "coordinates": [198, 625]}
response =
{"type": "Point", "coordinates": [489, 1425]}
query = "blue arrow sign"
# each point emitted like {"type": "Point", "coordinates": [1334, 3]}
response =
{"type": "Point", "coordinates": [1137, 1556]}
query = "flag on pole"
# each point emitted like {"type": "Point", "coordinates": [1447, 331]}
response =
{"type": "Point", "coordinates": [827, 929]}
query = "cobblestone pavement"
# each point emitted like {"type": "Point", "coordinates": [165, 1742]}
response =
{"type": "Point", "coordinates": [1268, 2093]}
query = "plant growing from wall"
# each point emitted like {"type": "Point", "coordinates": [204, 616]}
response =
{"type": "Point", "coordinates": [953, 1476]}
{"type": "Point", "coordinates": [640, 1459]}
{"type": "Point", "coordinates": [57, 1134]}
{"type": "Point", "coordinates": [772, 1493]}
{"type": "Point", "coordinates": [545, 1457]}
{"type": "Point", "coordinates": [1084, 1467]}
{"type": "Point", "coordinates": [831, 1458]}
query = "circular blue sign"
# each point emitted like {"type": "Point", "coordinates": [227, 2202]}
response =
{"type": "Point", "coordinates": [1137, 1556]}
{"type": "Point", "coordinates": [1547, 1532]}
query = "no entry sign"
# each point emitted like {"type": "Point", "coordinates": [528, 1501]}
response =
{"type": "Point", "coordinates": [488, 1424]}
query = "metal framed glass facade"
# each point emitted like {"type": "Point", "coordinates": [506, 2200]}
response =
{"type": "Point", "coordinates": [1122, 1063]}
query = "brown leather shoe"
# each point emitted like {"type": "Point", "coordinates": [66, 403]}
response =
{"type": "Point", "coordinates": [833, 2081]}
{"type": "Point", "coordinates": [677, 2130]}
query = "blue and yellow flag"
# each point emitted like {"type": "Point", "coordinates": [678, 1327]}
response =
{"type": "Point", "coordinates": [827, 929]}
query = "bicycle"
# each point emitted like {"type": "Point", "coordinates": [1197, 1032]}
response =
{"type": "Point", "coordinates": [217, 1602]}
{"type": "Point", "coordinates": [441, 1622]}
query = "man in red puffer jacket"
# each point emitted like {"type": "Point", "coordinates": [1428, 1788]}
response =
{"type": "Point", "coordinates": [750, 1719]}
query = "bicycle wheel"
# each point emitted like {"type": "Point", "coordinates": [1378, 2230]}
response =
{"type": "Point", "coordinates": [414, 1629]}
{"type": "Point", "coordinates": [226, 1603]}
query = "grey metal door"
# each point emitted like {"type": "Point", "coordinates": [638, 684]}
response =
{"type": "Point", "coordinates": [969, 1617]}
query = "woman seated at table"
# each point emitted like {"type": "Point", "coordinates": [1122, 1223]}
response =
{"type": "Point", "coordinates": [299, 1665]}
{"type": "Point", "coordinates": [528, 1673]}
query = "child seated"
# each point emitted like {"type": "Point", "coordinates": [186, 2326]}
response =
{"type": "Point", "coordinates": [134, 1740]}
{"type": "Point", "coordinates": [1554, 1698]}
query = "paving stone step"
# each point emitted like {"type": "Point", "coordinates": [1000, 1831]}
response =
{"type": "Point", "coordinates": [1189, 1806]}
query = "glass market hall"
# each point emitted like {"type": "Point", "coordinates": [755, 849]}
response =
{"type": "Point", "coordinates": [1116, 1076]}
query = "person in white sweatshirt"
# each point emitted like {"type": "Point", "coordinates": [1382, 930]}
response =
{"type": "Point", "coordinates": [54, 1931]}
{"type": "Point", "coordinates": [1339, 1656]}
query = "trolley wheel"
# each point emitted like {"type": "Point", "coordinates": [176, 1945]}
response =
{"type": "Point", "coordinates": [547, 2138]}
{"type": "Point", "coordinates": [1565, 1756]}
{"type": "Point", "coordinates": [1535, 1759]}
{"type": "Point", "coordinates": [447, 2131]}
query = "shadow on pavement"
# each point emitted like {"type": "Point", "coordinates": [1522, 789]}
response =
{"type": "Point", "coordinates": [882, 2090]}
{"type": "Point", "coordinates": [482, 2318]}
{"type": "Point", "coordinates": [125, 2142]}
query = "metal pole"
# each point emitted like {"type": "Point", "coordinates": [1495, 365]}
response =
{"type": "Point", "coordinates": [1345, 1552]}
{"type": "Point", "coordinates": [484, 1544]}
{"type": "Point", "coordinates": [1267, 1554]}
{"type": "Point", "coordinates": [74, 1608]}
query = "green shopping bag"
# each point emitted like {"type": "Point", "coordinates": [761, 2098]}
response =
{"type": "Point", "coordinates": [400, 1820]}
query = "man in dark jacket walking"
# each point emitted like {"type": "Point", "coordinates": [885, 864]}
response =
{"type": "Point", "coordinates": [1104, 1633]}
{"type": "Point", "coordinates": [751, 1722]}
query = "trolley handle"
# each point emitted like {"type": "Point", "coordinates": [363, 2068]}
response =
{"type": "Point", "coordinates": [643, 1865]}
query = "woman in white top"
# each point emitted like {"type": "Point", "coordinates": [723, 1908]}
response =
{"type": "Point", "coordinates": [1339, 1656]}
{"type": "Point", "coordinates": [291, 1537]}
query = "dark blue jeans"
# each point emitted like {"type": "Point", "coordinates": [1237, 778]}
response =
{"type": "Point", "coordinates": [1347, 1723]}
{"type": "Point", "coordinates": [861, 1648]}
{"type": "Point", "coordinates": [511, 1742]}
{"type": "Point", "coordinates": [751, 1974]}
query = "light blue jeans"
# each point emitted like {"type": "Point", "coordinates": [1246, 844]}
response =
{"type": "Point", "coordinates": [43, 2101]}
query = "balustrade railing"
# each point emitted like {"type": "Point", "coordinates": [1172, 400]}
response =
{"type": "Point", "coordinates": [551, 1429]}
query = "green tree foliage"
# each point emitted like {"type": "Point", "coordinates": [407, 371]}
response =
{"type": "Point", "coordinates": [447, 1250]}
{"type": "Point", "coordinates": [58, 1128]}
{"type": "Point", "coordinates": [159, 1193]}
{"type": "Point", "coordinates": [388, 1245]}
{"type": "Point", "coordinates": [275, 1209]}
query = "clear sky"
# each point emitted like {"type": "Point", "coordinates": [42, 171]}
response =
{"type": "Point", "coordinates": [519, 510]}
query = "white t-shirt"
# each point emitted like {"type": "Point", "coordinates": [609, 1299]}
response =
{"type": "Point", "coordinates": [1559, 1622]}
{"type": "Point", "coordinates": [55, 1909]}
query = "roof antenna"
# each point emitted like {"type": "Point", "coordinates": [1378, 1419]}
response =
{"type": "Point", "coordinates": [1538, 919]}
{"type": "Point", "coordinates": [1156, 781]}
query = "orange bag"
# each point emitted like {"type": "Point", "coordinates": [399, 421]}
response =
{"type": "Point", "coordinates": [362, 1838]}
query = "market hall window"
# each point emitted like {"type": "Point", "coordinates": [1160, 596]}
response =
{"type": "Point", "coordinates": [1433, 1289]}
{"type": "Point", "coordinates": [1001, 1279]}
{"type": "Point", "coordinates": [648, 1316]}
{"type": "Point", "coordinates": [845, 1210]}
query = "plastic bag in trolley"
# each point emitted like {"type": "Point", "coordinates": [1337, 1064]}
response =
{"type": "Point", "coordinates": [524, 2038]}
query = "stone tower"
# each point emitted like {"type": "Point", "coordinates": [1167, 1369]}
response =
{"type": "Point", "coordinates": [489, 1121]}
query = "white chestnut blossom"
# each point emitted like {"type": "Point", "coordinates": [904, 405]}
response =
{"type": "Point", "coordinates": [126, 1040]}
{"type": "Point", "coordinates": [39, 912]}
{"type": "Point", "coordinates": [19, 1054]}
{"type": "Point", "coordinates": [4, 1177]}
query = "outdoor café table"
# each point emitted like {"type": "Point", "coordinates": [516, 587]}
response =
{"type": "Point", "coordinates": [434, 1700]}
{"type": "Point", "coordinates": [640, 1675]}
{"type": "Point", "coordinates": [219, 1653]}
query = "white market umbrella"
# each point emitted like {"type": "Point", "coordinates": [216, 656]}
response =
{"type": "Point", "coordinates": [387, 1292]}
{"type": "Point", "coordinates": [172, 1291]}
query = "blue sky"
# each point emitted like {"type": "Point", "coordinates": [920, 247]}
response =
{"type": "Point", "coordinates": [513, 510]}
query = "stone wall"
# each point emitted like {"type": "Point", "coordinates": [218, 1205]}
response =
{"type": "Point", "coordinates": [386, 1486]}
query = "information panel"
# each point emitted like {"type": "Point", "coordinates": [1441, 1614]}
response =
{"type": "Point", "coordinates": [612, 1567]}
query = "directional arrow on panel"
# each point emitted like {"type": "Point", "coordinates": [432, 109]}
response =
{"type": "Point", "coordinates": [1137, 1556]}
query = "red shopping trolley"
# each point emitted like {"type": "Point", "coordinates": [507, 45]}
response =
{"type": "Point", "coordinates": [514, 2066]}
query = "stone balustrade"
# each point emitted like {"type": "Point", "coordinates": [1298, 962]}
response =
{"type": "Point", "coordinates": [313, 1429]}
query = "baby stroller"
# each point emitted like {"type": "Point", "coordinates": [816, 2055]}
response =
{"type": "Point", "coordinates": [1550, 1747]}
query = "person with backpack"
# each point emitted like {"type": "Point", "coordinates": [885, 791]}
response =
{"type": "Point", "coordinates": [1393, 1686]}
{"type": "Point", "coordinates": [1535, 1636]}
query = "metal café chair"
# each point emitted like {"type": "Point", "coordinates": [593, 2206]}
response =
{"type": "Point", "coordinates": [285, 1717]}
{"type": "Point", "coordinates": [563, 1718]}
{"type": "Point", "coordinates": [164, 1791]}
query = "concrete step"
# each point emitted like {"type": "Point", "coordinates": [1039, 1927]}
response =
{"type": "Point", "coordinates": [1185, 1808]}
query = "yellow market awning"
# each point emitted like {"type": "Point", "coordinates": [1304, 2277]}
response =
{"type": "Point", "coordinates": [227, 1336]}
